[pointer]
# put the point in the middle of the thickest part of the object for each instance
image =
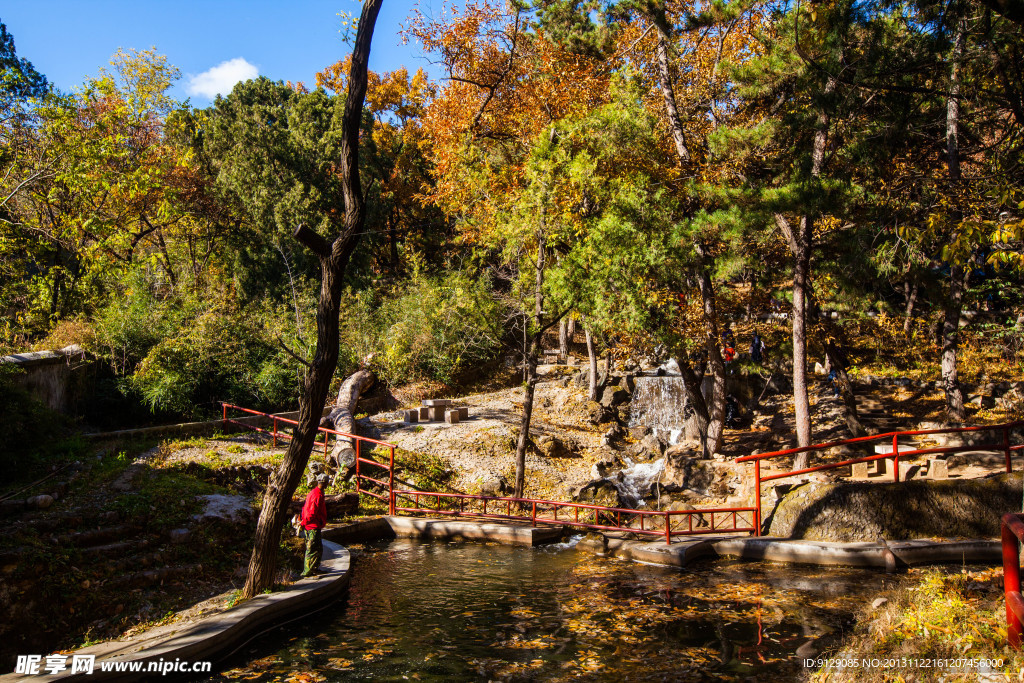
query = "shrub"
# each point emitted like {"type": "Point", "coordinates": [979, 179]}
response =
{"type": "Point", "coordinates": [427, 328]}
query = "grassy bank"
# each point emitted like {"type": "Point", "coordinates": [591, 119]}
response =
{"type": "Point", "coordinates": [940, 627]}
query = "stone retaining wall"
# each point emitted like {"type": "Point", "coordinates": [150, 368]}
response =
{"type": "Point", "coordinates": [953, 508]}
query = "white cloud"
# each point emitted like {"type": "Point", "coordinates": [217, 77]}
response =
{"type": "Point", "coordinates": [220, 79]}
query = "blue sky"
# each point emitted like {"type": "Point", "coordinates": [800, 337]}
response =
{"type": "Point", "coordinates": [69, 41]}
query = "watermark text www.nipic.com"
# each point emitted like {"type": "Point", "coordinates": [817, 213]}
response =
{"type": "Point", "coordinates": [38, 665]}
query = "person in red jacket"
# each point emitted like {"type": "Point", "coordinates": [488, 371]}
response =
{"type": "Point", "coordinates": [314, 517]}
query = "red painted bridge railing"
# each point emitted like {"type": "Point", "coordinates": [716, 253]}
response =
{"type": "Point", "coordinates": [656, 523]}
{"type": "Point", "coordinates": [357, 442]}
{"type": "Point", "coordinates": [1003, 444]}
{"type": "Point", "coordinates": [1013, 535]}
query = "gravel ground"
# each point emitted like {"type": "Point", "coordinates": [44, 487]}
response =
{"type": "Point", "coordinates": [484, 445]}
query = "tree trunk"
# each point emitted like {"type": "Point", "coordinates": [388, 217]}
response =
{"type": "Point", "coordinates": [695, 402]}
{"type": "Point", "coordinates": [837, 361]}
{"type": "Point", "coordinates": [667, 91]}
{"type": "Point", "coordinates": [531, 365]}
{"type": "Point", "coordinates": [910, 293]}
{"type": "Point", "coordinates": [715, 398]}
{"type": "Point", "coordinates": [342, 418]}
{"type": "Point", "coordinates": [592, 363]}
{"type": "Point", "coordinates": [752, 284]}
{"type": "Point", "coordinates": [563, 339]}
{"type": "Point", "coordinates": [801, 244]}
{"type": "Point", "coordinates": [953, 103]}
{"type": "Point", "coordinates": [801, 403]}
{"type": "Point", "coordinates": [334, 258]}
{"type": "Point", "coordinates": [524, 425]}
{"type": "Point", "coordinates": [957, 275]}
{"type": "Point", "coordinates": [950, 342]}
{"type": "Point", "coordinates": [570, 332]}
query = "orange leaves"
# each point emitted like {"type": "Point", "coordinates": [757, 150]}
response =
{"type": "Point", "coordinates": [505, 86]}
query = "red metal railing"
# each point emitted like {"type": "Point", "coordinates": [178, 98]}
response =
{"type": "Point", "coordinates": [657, 523]}
{"type": "Point", "coordinates": [1003, 445]}
{"type": "Point", "coordinates": [1013, 535]}
{"type": "Point", "coordinates": [356, 441]}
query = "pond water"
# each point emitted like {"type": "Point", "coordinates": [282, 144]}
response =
{"type": "Point", "coordinates": [479, 612]}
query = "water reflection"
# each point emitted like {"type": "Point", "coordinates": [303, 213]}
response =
{"type": "Point", "coordinates": [435, 611]}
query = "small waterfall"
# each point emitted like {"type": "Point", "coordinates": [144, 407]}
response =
{"type": "Point", "coordinates": [637, 478]}
{"type": "Point", "coordinates": [659, 403]}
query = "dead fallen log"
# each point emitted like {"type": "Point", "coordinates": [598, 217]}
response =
{"type": "Point", "coordinates": [338, 505]}
{"type": "Point", "coordinates": [342, 417]}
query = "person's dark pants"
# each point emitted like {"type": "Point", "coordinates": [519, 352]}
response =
{"type": "Point", "coordinates": [314, 551]}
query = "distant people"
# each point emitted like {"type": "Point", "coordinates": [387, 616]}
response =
{"type": "Point", "coordinates": [314, 517]}
{"type": "Point", "coordinates": [732, 411]}
{"type": "Point", "coordinates": [833, 377]}
{"type": "Point", "coordinates": [728, 339]}
{"type": "Point", "coordinates": [757, 349]}
{"type": "Point", "coordinates": [729, 354]}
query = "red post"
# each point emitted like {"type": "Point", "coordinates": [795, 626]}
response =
{"type": "Point", "coordinates": [1011, 582]}
{"type": "Point", "coordinates": [668, 527]}
{"type": "Point", "coordinates": [757, 502]}
{"type": "Point", "coordinates": [224, 411]}
{"type": "Point", "coordinates": [275, 432]}
{"type": "Point", "coordinates": [357, 466]}
{"type": "Point", "coordinates": [1006, 447]}
{"type": "Point", "coordinates": [895, 457]}
{"type": "Point", "coordinates": [391, 483]}
{"type": "Point", "coordinates": [533, 514]}
{"type": "Point", "coordinates": [325, 445]}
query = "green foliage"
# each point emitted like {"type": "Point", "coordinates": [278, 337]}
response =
{"type": "Point", "coordinates": [215, 352]}
{"type": "Point", "coordinates": [612, 221]}
{"type": "Point", "coordinates": [18, 78]}
{"type": "Point", "coordinates": [274, 151]}
{"type": "Point", "coordinates": [428, 327]}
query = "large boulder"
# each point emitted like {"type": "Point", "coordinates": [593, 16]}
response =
{"type": "Point", "coordinates": [553, 447]}
{"type": "Point", "coordinates": [605, 492]}
{"type": "Point", "coordinates": [40, 502]}
{"type": "Point", "coordinates": [220, 507]}
{"type": "Point", "coordinates": [684, 469]}
{"type": "Point", "coordinates": [613, 436]}
{"type": "Point", "coordinates": [648, 448]}
{"type": "Point", "coordinates": [851, 512]}
{"type": "Point", "coordinates": [613, 397]}
{"type": "Point", "coordinates": [492, 484]}
{"type": "Point", "coordinates": [607, 463]}
{"type": "Point", "coordinates": [597, 414]}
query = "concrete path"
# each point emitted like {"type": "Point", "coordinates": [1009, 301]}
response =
{"type": "Point", "coordinates": [442, 530]}
{"type": "Point", "coordinates": [886, 555]}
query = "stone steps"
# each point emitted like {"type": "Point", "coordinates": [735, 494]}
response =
{"type": "Point", "coordinates": [151, 577]}
{"type": "Point", "coordinates": [94, 537]}
{"type": "Point", "coordinates": [133, 561]}
{"type": "Point", "coordinates": [115, 548]}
